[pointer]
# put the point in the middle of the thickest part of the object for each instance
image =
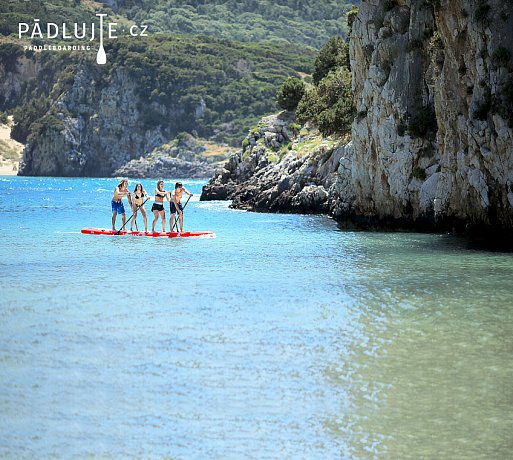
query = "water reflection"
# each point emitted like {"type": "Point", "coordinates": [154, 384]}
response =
{"type": "Point", "coordinates": [427, 370]}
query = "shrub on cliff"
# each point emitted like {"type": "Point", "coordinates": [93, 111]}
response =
{"type": "Point", "coordinates": [290, 93]}
{"type": "Point", "coordinates": [334, 54]}
{"type": "Point", "coordinates": [422, 122]}
{"type": "Point", "coordinates": [9, 54]}
{"type": "Point", "coordinates": [329, 105]}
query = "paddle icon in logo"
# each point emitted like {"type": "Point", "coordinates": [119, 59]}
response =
{"type": "Point", "coordinates": [101, 57]}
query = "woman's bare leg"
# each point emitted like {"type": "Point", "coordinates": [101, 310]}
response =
{"type": "Point", "coordinates": [155, 217]}
{"type": "Point", "coordinates": [145, 219]}
{"type": "Point", "coordinates": [134, 221]}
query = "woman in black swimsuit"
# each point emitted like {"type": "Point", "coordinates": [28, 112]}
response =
{"type": "Point", "coordinates": [158, 206]}
{"type": "Point", "coordinates": [139, 196]}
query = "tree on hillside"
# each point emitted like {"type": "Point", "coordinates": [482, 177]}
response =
{"type": "Point", "coordinates": [335, 53]}
{"type": "Point", "coordinates": [290, 93]}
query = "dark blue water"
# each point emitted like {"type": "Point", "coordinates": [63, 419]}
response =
{"type": "Point", "coordinates": [283, 337]}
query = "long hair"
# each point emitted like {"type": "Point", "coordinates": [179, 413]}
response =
{"type": "Point", "coordinates": [158, 183]}
{"type": "Point", "coordinates": [139, 185]}
{"type": "Point", "coordinates": [122, 182]}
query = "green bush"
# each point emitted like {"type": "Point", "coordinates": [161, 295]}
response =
{"type": "Point", "coordinates": [330, 104]}
{"type": "Point", "coordinates": [309, 106]}
{"type": "Point", "coordinates": [423, 122]}
{"type": "Point", "coordinates": [419, 173]}
{"type": "Point", "coordinates": [351, 16]}
{"type": "Point", "coordinates": [9, 54]}
{"type": "Point", "coordinates": [290, 93]}
{"type": "Point", "coordinates": [295, 128]}
{"type": "Point", "coordinates": [436, 42]}
{"type": "Point", "coordinates": [335, 53]}
{"type": "Point", "coordinates": [305, 22]}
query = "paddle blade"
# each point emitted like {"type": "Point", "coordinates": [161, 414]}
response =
{"type": "Point", "coordinates": [101, 57]}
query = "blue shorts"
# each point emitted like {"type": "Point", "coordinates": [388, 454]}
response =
{"type": "Point", "coordinates": [117, 206]}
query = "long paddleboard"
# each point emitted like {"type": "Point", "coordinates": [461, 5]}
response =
{"type": "Point", "coordinates": [106, 231]}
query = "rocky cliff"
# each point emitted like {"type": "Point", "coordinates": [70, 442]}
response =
{"type": "Point", "coordinates": [432, 142]}
{"type": "Point", "coordinates": [433, 139]}
{"type": "Point", "coordinates": [281, 169]}
{"type": "Point", "coordinates": [95, 129]}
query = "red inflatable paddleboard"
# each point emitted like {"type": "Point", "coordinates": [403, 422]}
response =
{"type": "Point", "coordinates": [106, 231]}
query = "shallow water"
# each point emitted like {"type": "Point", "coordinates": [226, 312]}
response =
{"type": "Point", "coordinates": [283, 337]}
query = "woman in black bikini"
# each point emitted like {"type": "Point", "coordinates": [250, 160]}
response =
{"type": "Point", "coordinates": [139, 196]}
{"type": "Point", "coordinates": [158, 206]}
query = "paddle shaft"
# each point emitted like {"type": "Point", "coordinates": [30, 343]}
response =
{"type": "Point", "coordinates": [124, 225]}
{"type": "Point", "coordinates": [178, 215]}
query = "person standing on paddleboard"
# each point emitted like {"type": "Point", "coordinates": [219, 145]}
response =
{"type": "Point", "coordinates": [139, 195]}
{"type": "Point", "coordinates": [158, 206]}
{"type": "Point", "coordinates": [117, 205]}
{"type": "Point", "coordinates": [175, 205]}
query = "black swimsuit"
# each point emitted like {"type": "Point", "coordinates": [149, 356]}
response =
{"type": "Point", "coordinates": [158, 206]}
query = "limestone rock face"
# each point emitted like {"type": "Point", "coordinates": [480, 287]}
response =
{"type": "Point", "coordinates": [279, 170]}
{"type": "Point", "coordinates": [433, 139]}
{"type": "Point", "coordinates": [12, 79]}
{"type": "Point", "coordinates": [102, 129]}
{"type": "Point", "coordinates": [432, 142]}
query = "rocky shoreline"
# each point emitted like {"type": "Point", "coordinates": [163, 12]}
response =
{"type": "Point", "coordinates": [280, 170]}
{"type": "Point", "coordinates": [414, 162]}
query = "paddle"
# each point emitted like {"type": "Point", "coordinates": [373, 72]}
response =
{"type": "Point", "coordinates": [138, 206]}
{"type": "Point", "coordinates": [178, 215]}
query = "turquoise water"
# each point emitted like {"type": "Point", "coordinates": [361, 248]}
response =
{"type": "Point", "coordinates": [283, 337]}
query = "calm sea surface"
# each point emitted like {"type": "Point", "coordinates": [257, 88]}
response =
{"type": "Point", "coordinates": [283, 337]}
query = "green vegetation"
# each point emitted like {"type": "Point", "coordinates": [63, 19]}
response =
{"type": "Point", "coordinates": [235, 82]}
{"type": "Point", "coordinates": [351, 17]}
{"type": "Point", "coordinates": [422, 122]}
{"type": "Point", "coordinates": [216, 87]}
{"type": "Point", "coordinates": [295, 128]}
{"type": "Point", "coordinates": [328, 104]}
{"type": "Point", "coordinates": [56, 11]}
{"type": "Point", "coordinates": [290, 93]}
{"type": "Point", "coordinates": [419, 173]}
{"type": "Point", "coordinates": [335, 53]}
{"type": "Point", "coordinates": [308, 22]}
{"type": "Point", "coordinates": [9, 53]}
{"type": "Point", "coordinates": [8, 152]}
